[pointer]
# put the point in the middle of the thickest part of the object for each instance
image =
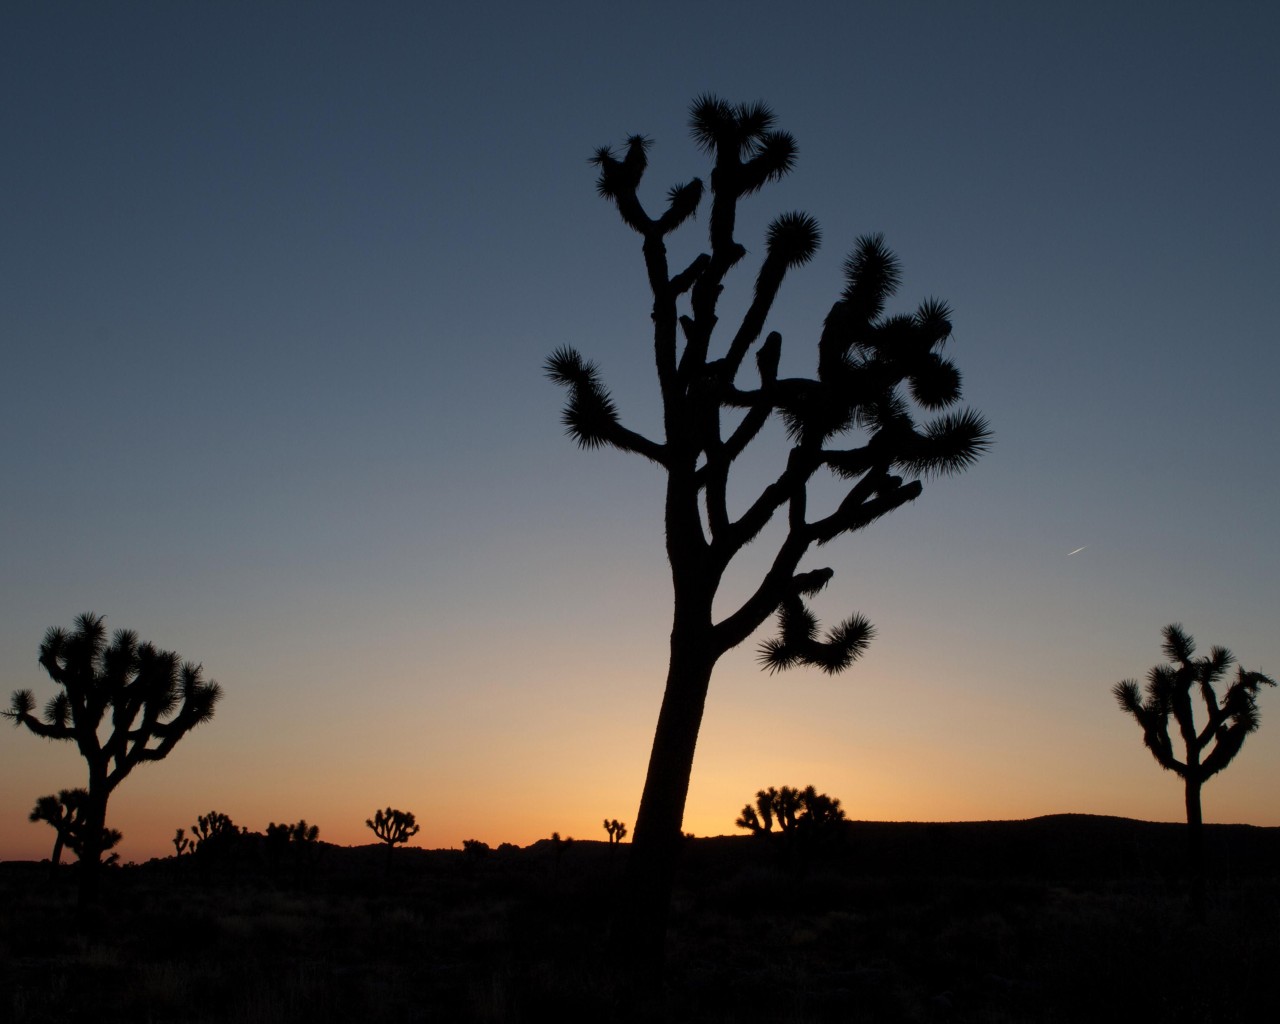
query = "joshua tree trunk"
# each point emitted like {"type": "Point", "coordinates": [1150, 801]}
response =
{"type": "Point", "coordinates": [655, 844]}
{"type": "Point", "coordinates": [95, 824]}
{"type": "Point", "coordinates": [1195, 850]}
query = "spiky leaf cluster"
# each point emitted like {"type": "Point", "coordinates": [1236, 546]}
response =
{"type": "Point", "coordinates": [1210, 738]}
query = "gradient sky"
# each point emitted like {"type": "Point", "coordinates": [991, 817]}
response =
{"type": "Point", "coordinates": [277, 284]}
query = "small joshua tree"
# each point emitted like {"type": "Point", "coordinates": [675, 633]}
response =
{"type": "Point", "coordinates": [392, 826]}
{"type": "Point", "coordinates": [149, 698]}
{"type": "Point", "coordinates": [216, 844]}
{"type": "Point", "coordinates": [475, 849]}
{"type": "Point", "coordinates": [64, 813]}
{"type": "Point", "coordinates": [797, 812]}
{"type": "Point", "coordinates": [297, 844]}
{"type": "Point", "coordinates": [616, 829]}
{"type": "Point", "coordinates": [1210, 744]}
{"type": "Point", "coordinates": [212, 833]}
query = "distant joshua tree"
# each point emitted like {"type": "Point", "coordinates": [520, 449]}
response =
{"type": "Point", "coordinates": [297, 845]}
{"type": "Point", "coordinates": [866, 417]}
{"type": "Point", "coordinates": [393, 826]}
{"type": "Point", "coordinates": [1208, 746]}
{"type": "Point", "coordinates": [212, 833]}
{"type": "Point", "coordinates": [148, 696]}
{"type": "Point", "coordinates": [214, 839]}
{"type": "Point", "coordinates": [616, 829]}
{"type": "Point", "coordinates": [558, 848]}
{"type": "Point", "coordinates": [475, 849]}
{"type": "Point", "coordinates": [797, 812]}
{"type": "Point", "coordinates": [181, 844]}
{"type": "Point", "coordinates": [299, 835]}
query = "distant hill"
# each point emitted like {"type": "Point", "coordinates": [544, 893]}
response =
{"type": "Point", "coordinates": [1055, 846]}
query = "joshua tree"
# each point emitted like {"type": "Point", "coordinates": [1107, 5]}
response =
{"type": "Point", "coordinates": [213, 835]}
{"type": "Point", "coordinates": [298, 844]}
{"type": "Point", "coordinates": [66, 813]}
{"type": "Point", "coordinates": [181, 844]}
{"type": "Point", "coordinates": [1208, 745]}
{"type": "Point", "coordinates": [475, 850]}
{"type": "Point", "coordinates": [616, 829]}
{"type": "Point", "coordinates": [392, 826]}
{"type": "Point", "coordinates": [148, 699]}
{"type": "Point", "coordinates": [63, 812]}
{"type": "Point", "coordinates": [797, 812]}
{"type": "Point", "coordinates": [558, 848]}
{"type": "Point", "coordinates": [871, 368]}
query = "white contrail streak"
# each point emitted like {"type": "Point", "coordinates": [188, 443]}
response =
{"type": "Point", "coordinates": [1077, 550]}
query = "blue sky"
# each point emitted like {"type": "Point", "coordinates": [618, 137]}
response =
{"type": "Point", "coordinates": [278, 280]}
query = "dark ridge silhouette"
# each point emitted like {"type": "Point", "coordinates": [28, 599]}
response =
{"type": "Point", "coordinates": [1208, 747]}
{"type": "Point", "coordinates": [872, 368]}
{"type": "Point", "coordinates": [151, 699]}
{"type": "Point", "coordinates": [616, 830]}
{"type": "Point", "coordinates": [1059, 918]}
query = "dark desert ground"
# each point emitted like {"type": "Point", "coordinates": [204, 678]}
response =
{"type": "Point", "coordinates": [1060, 918]}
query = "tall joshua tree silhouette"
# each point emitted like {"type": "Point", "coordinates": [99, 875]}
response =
{"type": "Point", "coordinates": [871, 367]}
{"type": "Point", "coordinates": [123, 703]}
{"type": "Point", "coordinates": [1208, 747]}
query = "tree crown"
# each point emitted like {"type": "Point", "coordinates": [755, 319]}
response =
{"type": "Point", "coordinates": [1169, 690]}
{"type": "Point", "coordinates": [876, 373]}
{"type": "Point", "coordinates": [146, 697]}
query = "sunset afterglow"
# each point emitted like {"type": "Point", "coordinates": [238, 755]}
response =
{"type": "Point", "coordinates": [279, 286]}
